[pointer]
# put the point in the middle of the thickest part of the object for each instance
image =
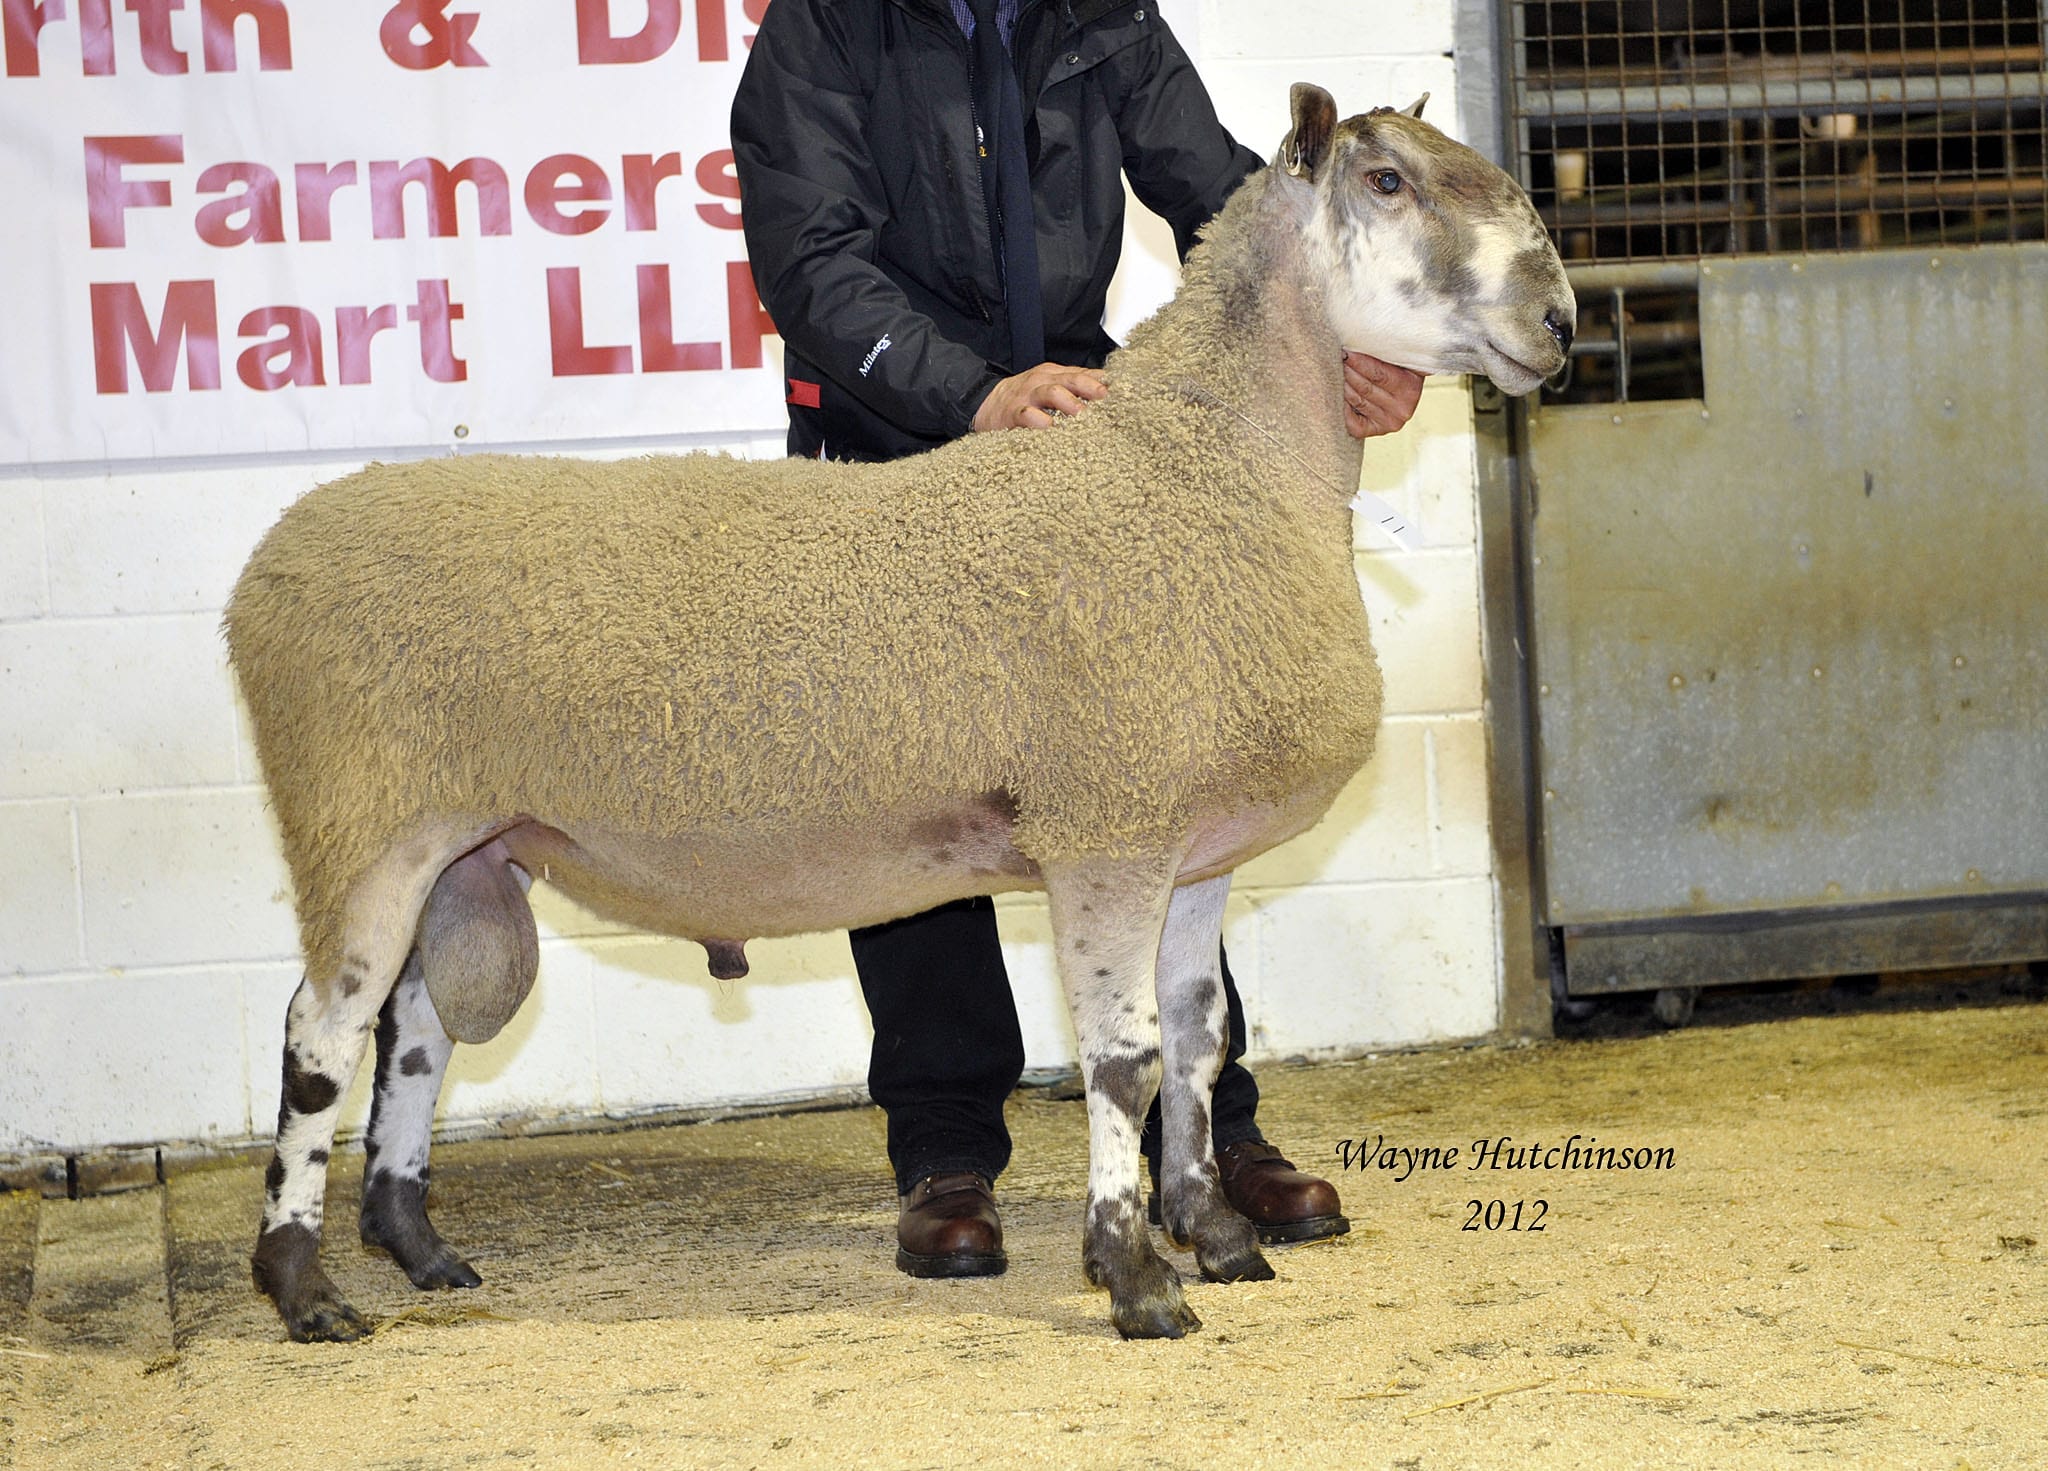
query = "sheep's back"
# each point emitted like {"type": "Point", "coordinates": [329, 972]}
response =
{"type": "Point", "coordinates": [1098, 619]}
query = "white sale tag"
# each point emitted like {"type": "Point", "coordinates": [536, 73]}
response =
{"type": "Point", "coordinates": [1392, 522]}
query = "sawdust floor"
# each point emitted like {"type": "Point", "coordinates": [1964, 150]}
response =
{"type": "Point", "coordinates": [1842, 1263]}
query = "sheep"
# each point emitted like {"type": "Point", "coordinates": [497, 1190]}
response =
{"type": "Point", "coordinates": [722, 699]}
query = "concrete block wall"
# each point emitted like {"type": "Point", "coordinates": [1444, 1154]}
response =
{"type": "Point", "coordinates": [147, 948]}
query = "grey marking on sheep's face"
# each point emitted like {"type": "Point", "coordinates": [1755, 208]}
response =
{"type": "Point", "coordinates": [1434, 258]}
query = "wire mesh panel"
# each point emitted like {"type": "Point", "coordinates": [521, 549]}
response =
{"type": "Point", "coordinates": [1658, 131]}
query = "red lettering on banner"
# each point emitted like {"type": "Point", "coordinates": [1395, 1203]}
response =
{"type": "Point", "coordinates": [571, 356]}
{"type": "Point", "coordinates": [252, 206]}
{"type": "Point", "coordinates": [96, 37]}
{"type": "Point", "coordinates": [217, 33]}
{"type": "Point", "coordinates": [747, 321]}
{"type": "Point", "coordinates": [545, 192]}
{"type": "Point", "coordinates": [447, 36]}
{"type": "Point", "coordinates": [354, 329]}
{"type": "Point", "coordinates": [388, 179]}
{"type": "Point", "coordinates": [717, 176]}
{"type": "Point", "coordinates": [643, 172]}
{"type": "Point", "coordinates": [298, 344]}
{"type": "Point", "coordinates": [597, 46]}
{"type": "Point", "coordinates": [712, 42]}
{"type": "Point", "coordinates": [25, 21]}
{"type": "Point", "coordinates": [313, 187]}
{"type": "Point", "coordinates": [435, 311]}
{"type": "Point", "coordinates": [289, 353]}
{"type": "Point", "coordinates": [574, 357]}
{"type": "Point", "coordinates": [659, 351]}
{"type": "Point", "coordinates": [109, 196]}
{"type": "Point", "coordinates": [259, 202]}
{"type": "Point", "coordinates": [159, 52]}
{"type": "Point", "coordinates": [120, 325]}
{"type": "Point", "coordinates": [21, 30]}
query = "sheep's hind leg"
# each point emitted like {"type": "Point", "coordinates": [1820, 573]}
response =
{"type": "Point", "coordinates": [412, 1057]}
{"type": "Point", "coordinates": [324, 1035]}
{"type": "Point", "coordinates": [1106, 921]}
{"type": "Point", "coordinates": [1193, 1021]}
{"type": "Point", "coordinates": [350, 970]}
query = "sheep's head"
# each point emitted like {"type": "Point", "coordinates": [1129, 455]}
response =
{"type": "Point", "coordinates": [1430, 257]}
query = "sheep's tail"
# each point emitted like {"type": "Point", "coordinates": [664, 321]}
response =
{"type": "Point", "coordinates": [478, 949]}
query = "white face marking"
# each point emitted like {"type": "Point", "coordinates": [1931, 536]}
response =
{"type": "Point", "coordinates": [1487, 311]}
{"type": "Point", "coordinates": [1370, 314]}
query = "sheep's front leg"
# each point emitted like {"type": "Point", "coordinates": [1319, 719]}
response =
{"type": "Point", "coordinates": [324, 1034]}
{"type": "Point", "coordinates": [412, 1057]}
{"type": "Point", "coordinates": [1106, 921]}
{"type": "Point", "coordinates": [1193, 1022]}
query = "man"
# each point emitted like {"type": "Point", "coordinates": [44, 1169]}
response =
{"type": "Point", "coordinates": [932, 193]}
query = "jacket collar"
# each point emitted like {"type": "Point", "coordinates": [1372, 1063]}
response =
{"type": "Point", "coordinates": [1074, 13]}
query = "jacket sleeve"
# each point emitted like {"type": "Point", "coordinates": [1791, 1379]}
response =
{"type": "Point", "coordinates": [812, 207]}
{"type": "Point", "coordinates": [1181, 161]}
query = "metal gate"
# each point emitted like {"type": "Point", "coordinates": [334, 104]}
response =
{"type": "Point", "coordinates": [1784, 515]}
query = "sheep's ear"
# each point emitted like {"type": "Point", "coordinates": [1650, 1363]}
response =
{"type": "Point", "coordinates": [1315, 120]}
{"type": "Point", "coordinates": [1415, 110]}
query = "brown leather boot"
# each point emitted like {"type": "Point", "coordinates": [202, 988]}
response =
{"type": "Point", "coordinates": [948, 1227]}
{"type": "Point", "coordinates": [1285, 1204]}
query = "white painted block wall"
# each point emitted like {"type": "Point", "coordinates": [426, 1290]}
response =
{"type": "Point", "coordinates": [147, 947]}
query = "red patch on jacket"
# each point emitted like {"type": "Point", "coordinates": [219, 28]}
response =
{"type": "Point", "coordinates": [803, 395]}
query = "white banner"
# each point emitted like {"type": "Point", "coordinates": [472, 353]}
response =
{"type": "Point", "coordinates": [259, 225]}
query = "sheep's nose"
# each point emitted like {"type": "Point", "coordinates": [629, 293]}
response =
{"type": "Point", "coordinates": [1561, 329]}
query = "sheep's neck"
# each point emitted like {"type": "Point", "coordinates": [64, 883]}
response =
{"type": "Point", "coordinates": [1248, 333]}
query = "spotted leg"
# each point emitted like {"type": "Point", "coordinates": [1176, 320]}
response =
{"type": "Point", "coordinates": [412, 1057]}
{"type": "Point", "coordinates": [1193, 1023]}
{"type": "Point", "coordinates": [324, 1034]}
{"type": "Point", "coordinates": [1106, 921]}
{"type": "Point", "coordinates": [355, 949]}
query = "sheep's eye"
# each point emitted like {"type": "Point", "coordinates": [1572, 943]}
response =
{"type": "Point", "coordinates": [1385, 180]}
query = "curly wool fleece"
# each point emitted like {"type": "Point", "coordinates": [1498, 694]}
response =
{"type": "Point", "coordinates": [1144, 614]}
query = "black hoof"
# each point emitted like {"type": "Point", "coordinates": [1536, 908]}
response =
{"type": "Point", "coordinates": [1145, 1297]}
{"type": "Point", "coordinates": [444, 1269]}
{"type": "Point", "coordinates": [1154, 1317]}
{"type": "Point", "coordinates": [329, 1320]}
{"type": "Point", "coordinates": [394, 1219]}
{"type": "Point", "coordinates": [1249, 1265]}
{"type": "Point", "coordinates": [286, 1269]}
{"type": "Point", "coordinates": [1226, 1244]}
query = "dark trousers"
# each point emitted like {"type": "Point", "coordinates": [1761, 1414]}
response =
{"type": "Point", "coordinates": [948, 1049]}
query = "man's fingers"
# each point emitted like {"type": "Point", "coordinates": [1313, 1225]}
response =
{"type": "Point", "coordinates": [1030, 399]}
{"type": "Point", "coordinates": [1059, 399]}
{"type": "Point", "coordinates": [1365, 367]}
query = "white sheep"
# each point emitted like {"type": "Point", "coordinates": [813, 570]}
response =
{"type": "Point", "coordinates": [719, 699]}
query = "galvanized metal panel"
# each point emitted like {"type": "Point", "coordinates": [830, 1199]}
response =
{"type": "Point", "coordinates": [1791, 644]}
{"type": "Point", "coordinates": [1825, 942]}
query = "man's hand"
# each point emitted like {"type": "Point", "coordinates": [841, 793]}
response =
{"type": "Point", "coordinates": [1378, 397]}
{"type": "Point", "coordinates": [1032, 397]}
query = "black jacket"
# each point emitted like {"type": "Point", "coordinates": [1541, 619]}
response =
{"type": "Point", "coordinates": [853, 132]}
